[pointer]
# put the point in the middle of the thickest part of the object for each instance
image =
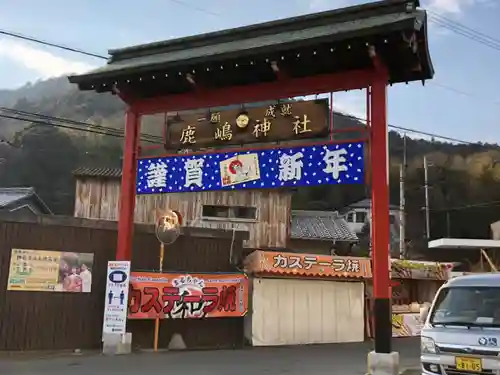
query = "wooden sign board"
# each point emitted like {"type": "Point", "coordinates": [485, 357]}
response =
{"type": "Point", "coordinates": [277, 122]}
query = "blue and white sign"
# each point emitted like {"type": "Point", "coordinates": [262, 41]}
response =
{"type": "Point", "coordinates": [116, 305]}
{"type": "Point", "coordinates": [282, 167]}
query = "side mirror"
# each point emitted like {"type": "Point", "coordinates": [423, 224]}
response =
{"type": "Point", "coordinates": [424, 312]}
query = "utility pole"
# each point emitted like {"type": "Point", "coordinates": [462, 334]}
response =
{"type": "Point", "coordinates": [402, 221]}
{"type": "Point", "coordinates": [426, 187]}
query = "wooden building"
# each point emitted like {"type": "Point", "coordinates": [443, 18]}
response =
{"type": "Point", "coordinates": [266, 214]}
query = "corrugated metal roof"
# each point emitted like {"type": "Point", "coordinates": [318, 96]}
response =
{"type": "Point", "coordinates": [10, 195]}
{"type": "Point", "coordinates": [98, 172]}
{"type": "Point", "coordinates": [321, 225]}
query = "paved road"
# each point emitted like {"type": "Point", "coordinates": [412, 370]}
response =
{"type": "Point", "coordinates": [348, 359]}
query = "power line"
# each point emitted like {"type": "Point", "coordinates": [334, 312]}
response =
{"type": "Point", "coordinates": [470, 29]}
{"type": "Point", "coordinates": [455, 25]}
{"type": "Point", "coordinates": [467, 206]}
{"type": "Point", "coordinates": [444, 21]}
{"type": "Point", "coordinates": [72, 125]}
{"type": "Point", "coordinates": [146, 136]}
{"type": "Point", "coordinates": [37, 116]}
{"type": "Point", "coordinates": [457, 91]}
{"type": "Point", "coordinates": [437, 18]}
{"type": "Point", "coordinates": [49, 44]}
{"type": "Point", "coordinates": [464, 31]}
{"type": "Point", "coordinates": [192, 6]}
{"type": "Point", "coordinates": [467, 32]}
{"type": "Point", "coordinates": [432, 135]}
{"type": "Point", "coordinates": [463, 93]}
{"type": "Point", "coordinates": [83, 126]}
{"type": "Point", "coordinates": [410, 130]}
{"type": "Point", "coordinates": [157, 139]}
{"type": "Point", "coordinates": [38, 122]}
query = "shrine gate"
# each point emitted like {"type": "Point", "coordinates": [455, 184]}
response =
{"type": "Point", "coordinates": [368, 46]}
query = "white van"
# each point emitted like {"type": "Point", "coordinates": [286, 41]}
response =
{"type": "Point", "coordinates": [461, 334]}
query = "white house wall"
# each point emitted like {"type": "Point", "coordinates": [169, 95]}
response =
{"type": "Point", "coordinates": [299, 311]}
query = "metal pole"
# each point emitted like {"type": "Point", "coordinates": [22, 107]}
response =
{"type": "Point", "coordinates": [157, 320]}
{"type": "Point", "coordinates": [405, 163]}
{"type": "Point", "coordinates": [426, 187]}
{"type": "Point", "coordinates": [401, 212]}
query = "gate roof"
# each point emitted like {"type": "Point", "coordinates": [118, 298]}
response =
{"type": "Point", "coordinates": [321, 43]}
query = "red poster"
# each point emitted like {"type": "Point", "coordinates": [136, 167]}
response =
{"type": "Point", "coordinates": [176, 295]}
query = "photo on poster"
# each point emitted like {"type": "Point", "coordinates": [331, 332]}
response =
{"type": "Point", "coordinates": [50, 271]}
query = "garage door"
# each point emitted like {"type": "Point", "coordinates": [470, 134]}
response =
{"type": "Point", "coordinates": [296, 312]}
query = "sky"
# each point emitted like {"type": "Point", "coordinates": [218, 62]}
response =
{"type": "Point", "coordinates": [462, 101]}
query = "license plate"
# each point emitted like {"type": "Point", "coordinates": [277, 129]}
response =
{"type": "Point", "coordinates": [469, 364]}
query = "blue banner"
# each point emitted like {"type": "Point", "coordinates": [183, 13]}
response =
{"type": "Point", "coordinates": [282, 167]}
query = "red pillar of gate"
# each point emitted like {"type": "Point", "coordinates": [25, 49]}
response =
{"type": "Point", "coordinates": [380, 214]}
{"type": "Point", "coordinates": [127, 196]}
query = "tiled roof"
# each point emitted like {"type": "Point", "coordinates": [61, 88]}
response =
{"type": "Point", "coordinates": [375, 21]}
{"type": "Point", "coordinates": [14, 194]}
{"type": "Point", "coordinates": [321, 225]}
{"type": "Point", "coordinates": [10, 195]}
{"type": "Point", "coordinates": [98, 172]}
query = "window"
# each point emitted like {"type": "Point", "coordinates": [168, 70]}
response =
{"type": "Point", "coordinates": [350, 217]}
{"type": "Point", "coordinates": [392, 219]}
{"type": "Point", "coordinates": [215, 211]}
{"type": "Point", "coordinates": [467, 306]}
{"type": "Point", "coordinates": [360, 217]}
{"type": "Point", "coordinates": [241, 212]}
{"type": "Point", "coordinates": [230, 212]}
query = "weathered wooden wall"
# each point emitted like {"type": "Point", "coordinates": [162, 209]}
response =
{"type": "Point", "coordinates": [98, 198]}
{"type": "Point", "coordinates": [55, 321]}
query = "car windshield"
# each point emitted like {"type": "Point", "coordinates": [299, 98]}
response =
{"type": "Point", "coordinates": [467, 306]}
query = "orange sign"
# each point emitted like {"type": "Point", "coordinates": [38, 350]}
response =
{"type": "Point", "coordinates": [308, 264]}
{"type": "Point", "coordinates": [175, 295]}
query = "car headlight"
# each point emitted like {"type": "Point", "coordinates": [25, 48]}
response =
{"type": "Point", "coordinates": [427, 345]}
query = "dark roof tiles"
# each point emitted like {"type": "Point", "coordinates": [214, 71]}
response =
{"type": "Point", "coordinates": [321, 225]}
{"type": "Point", "coordinates": [11, 195]}
{"type": "Point", "coordinates": [98, 172]}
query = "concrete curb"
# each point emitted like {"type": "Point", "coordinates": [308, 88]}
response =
{"type": "Point", "coordinates": [408, 371]}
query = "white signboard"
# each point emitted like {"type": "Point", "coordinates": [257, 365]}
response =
{"type": "Point", "coordinates": [115, 307]}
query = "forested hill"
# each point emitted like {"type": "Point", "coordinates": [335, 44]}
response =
{"type": "Point", "coordinates": [462, 177]}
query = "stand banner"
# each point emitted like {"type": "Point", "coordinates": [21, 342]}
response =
{"type": "Point", "coordinates": [175, 295]}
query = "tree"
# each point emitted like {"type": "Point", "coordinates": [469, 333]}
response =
{"type": "Point", "coordinates": [363, 247]}
{"type": "Point", "coordinates": [46, 159]}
